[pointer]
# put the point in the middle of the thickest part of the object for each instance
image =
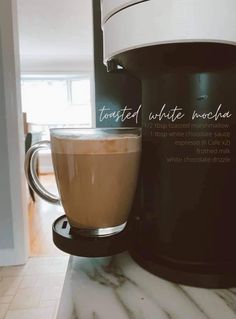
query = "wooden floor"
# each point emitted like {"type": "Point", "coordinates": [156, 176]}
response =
{"type": "Point", "coordinates": [41, 217]}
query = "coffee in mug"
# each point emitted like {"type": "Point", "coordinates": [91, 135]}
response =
{"type": "Point", "coordinates": [96, 172]}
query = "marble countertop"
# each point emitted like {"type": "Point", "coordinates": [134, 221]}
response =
{"type": "Point", "coordinates": [117, 288]}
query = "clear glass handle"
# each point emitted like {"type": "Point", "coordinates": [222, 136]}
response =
{"type": "Point", "coordinates": [31, 175]}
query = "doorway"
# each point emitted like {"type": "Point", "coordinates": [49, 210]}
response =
{"type": "Point", "coordinates": [50, 101]}
{"type": "Point", "coordinates": [56, 53]}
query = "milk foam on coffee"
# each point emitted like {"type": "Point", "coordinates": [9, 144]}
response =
{"type": "Point", "coordinates": [96, 177]}
{"type": "Point", "coordinates": [97, 144]}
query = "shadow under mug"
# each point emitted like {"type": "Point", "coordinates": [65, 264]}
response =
{"type": "Point", "coordinates": [96, 172]}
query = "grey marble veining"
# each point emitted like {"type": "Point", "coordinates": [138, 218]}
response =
{"type": "Point", "coordinates": [117, 288]}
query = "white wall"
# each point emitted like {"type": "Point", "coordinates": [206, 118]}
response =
{"type": "Point", "coordinates": [13, 210]}
{"type": "Point", "coordinates": [55, 36]}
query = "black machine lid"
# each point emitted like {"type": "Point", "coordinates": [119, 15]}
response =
{"type": "Point", "coordinates": [70, 242]}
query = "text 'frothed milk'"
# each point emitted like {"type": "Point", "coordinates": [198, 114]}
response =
{"type": "Point", "coordinates": [96, 177]}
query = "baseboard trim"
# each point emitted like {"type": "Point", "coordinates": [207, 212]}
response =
{"type": "Point", "coordinates": [9, 257]}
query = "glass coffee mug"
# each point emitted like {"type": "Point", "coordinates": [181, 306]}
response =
{"type": "Point", "coordinates": [96, 173]}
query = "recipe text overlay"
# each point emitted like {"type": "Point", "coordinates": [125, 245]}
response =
{"type": "Point", "coordinates": [172, 114]}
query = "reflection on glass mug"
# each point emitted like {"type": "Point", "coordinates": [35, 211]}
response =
{"type": "Point", "coordinates": [96, 173]}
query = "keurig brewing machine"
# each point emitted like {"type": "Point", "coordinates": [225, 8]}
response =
{"type": "Point", "coordinates": [183, 225]}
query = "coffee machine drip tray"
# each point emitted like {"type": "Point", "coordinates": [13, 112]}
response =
{"type": "Point", "coordinates": [67, 240]}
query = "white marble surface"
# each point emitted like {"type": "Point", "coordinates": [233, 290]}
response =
{"type": "Point", "coordinates": [117, 288]}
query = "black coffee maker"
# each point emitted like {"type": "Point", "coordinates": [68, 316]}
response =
{"type": "Point", "coordinates": [183, 222]}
